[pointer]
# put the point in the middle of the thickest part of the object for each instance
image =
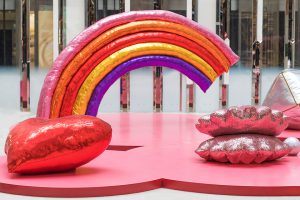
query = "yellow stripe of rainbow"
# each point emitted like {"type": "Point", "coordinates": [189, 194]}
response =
{"type": "Point", "coordinates": [153, 48]}
{"type": "Point", "coordinates": [122, 30]}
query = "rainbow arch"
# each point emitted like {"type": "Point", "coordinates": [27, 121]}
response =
{"type": "Point", "coordinates": [115, 45]}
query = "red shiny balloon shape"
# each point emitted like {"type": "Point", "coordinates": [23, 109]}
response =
{"type": "Point", "coordinates": [40, 145]}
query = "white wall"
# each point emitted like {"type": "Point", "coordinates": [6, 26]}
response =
{"type": "Point", "coordinates": [141, 90]}
{"type": "Point", "coordinates": [75, 18]}
{"type": "Point", "coordinates": [55, 29]}
{"type": "Point", "coordinates": [208, 101]}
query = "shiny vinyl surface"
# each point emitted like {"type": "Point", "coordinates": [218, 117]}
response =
{"type": "Point", "coordinates": [143, 37]}
{"type": "Point", "coordinates": [284, 95]}
{"type": "Point", "coordinates": [77, 45]}
{"type": "Point", "coordinates": [244, 119]}
{"type": "Point", "coordinates": [107, 38]}
{"type": "Point", "coordinates": [166, 61]}
{"type": "Point", "coordinates": [40, 146]}
{"type": "Point", "coordinates": [243, 148]}
{"type": "Point", "coordinates": [108, 64]}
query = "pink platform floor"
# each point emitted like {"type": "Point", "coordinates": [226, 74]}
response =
{"type": "Point", "coordinates": [150, 151]}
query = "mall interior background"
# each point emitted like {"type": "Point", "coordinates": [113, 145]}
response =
{"type": "Point", "coordinates": [46, 40]}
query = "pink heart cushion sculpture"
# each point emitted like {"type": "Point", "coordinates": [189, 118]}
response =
{"type": "Point", "coordinates": [40, 145]}
{"type": "Point", "coordinates": [244, 119]}
{"type": "Point", "coordinates": [243, 148]}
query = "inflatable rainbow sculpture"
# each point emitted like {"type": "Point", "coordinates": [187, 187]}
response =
{"type": "Point", "coordinates": [115, 45]}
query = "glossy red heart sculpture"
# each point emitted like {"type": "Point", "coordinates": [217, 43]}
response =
{"type": "Point", "coordinates": [41, 145]}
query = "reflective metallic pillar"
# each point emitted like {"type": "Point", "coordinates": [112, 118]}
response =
{"type": "Point", "coordinates": [289, 34]}
{"type": "Point", "coordinates": [125, 92]}
{"type": "Point", "coordinates": [256, 74]}
{"type": "Point", "coordinates": [180, 92]}
{"type": "Point", "coordinates": [224, 12]}
{"type": "Point", "coordinates": [91, 12]}
{"type": "Point", "coordinates": [257, 31]}
{"type": "Point", "coordinates": [60, 25]}
{"type": "Point", "coordinates": [122, 6]}
{"type": "Point", "coordinates": [36, 33]}
{"type": "Point", "coordinates": [4, 30]}
{"type": "Point", "coordinates": [125, 79]}
{"type": "Point", "coordinates": [104, 8]}
{"type": "Point", "coordinates": [190, 85]}
{"type": "Point", "coordinates": [190, 96]}
{"type": "Point", "coordinates": [24, 56]}
{"type": "Point", "coordinates": [157, 89]}
{"type": "Point", "coordinates": [157, 76]}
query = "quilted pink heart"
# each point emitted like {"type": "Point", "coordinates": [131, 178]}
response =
{"type": "Point", "coordinates": [40, 145]}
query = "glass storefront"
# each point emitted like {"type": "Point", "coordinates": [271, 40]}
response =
{"type": "Point", "coordinates": [273, 33]}
{"type": "Point", "coordinates": [177, 6]}
{"type": "Point", "coordinates": [41, 32]}
{"type": "Point", "coordinates": [241, 37]}
{"type": "Point", "coordinates": [240, 34]}
{"type": "Point", "coordinates": [8, 33]}
{"type": "Point", "coordinates": [241, 20]}
{"type": "Point", "coordinates": [107, 7]}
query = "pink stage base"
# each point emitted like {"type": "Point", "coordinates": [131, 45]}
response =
{"type": "Point", "coordinates": [150, 151]}
{"type": "Point", "coordinates": [289, 133]}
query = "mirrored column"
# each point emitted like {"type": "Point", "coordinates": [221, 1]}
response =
{"type": "Point", "coordinates": [24, 56]}
{"type": "Point", "coordinates": [289, 34]}
{"type": "Point", "coordinates": [223, 31]}
{"type": "Point", "coordinates": [257, 28]}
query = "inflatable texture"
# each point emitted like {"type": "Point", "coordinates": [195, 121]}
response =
{"type": "Point", "coordinates": [99, 55]}
{"type": "Point", "coordinates": [38, 145]}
